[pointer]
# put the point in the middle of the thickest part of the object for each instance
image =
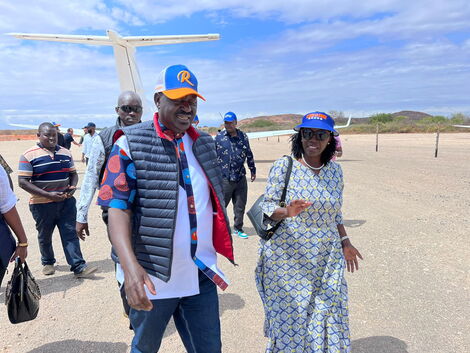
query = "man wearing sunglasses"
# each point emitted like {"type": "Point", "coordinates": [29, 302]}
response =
{"type": "Point", "coordinates": [129, 111]}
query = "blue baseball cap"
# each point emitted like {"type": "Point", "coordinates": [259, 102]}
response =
{"type": "Point", "coordinates": [177, 81]}
{"type": "Point", "coordinates": [318, 120]}
{"type": "Point", "coordinates": [55, 124]}
{"type": "Point", "coordinates": [90, 124]}
{"type": "Point", "coordinates": [230, 116]}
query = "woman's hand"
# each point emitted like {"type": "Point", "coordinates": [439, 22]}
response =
{"type": "Point", "coordinates": [297, 206]}
{"type": "Point", "coordinates": [350, 255]}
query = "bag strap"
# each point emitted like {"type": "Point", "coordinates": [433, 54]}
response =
{"type": "Point", "coordinates": [282, 202]}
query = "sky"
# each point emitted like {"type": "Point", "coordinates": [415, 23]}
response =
{"type": "Point", "coordinates": [274, 57]}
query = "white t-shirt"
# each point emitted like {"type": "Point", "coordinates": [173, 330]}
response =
{"type": "Point", "coordinates": [7, 197]}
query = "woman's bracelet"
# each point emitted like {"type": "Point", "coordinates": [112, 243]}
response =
{"type": "Point", "coordinates": [344, 238]}
{"type": "Point", "coordinates": [22, 245]}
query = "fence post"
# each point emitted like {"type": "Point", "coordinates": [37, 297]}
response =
{"type": "Point", "coordinates": [437, 140]}
{"type": "Point", "coordinates": [377, 138]}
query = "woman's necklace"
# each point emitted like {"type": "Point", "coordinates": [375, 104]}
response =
{"type": "Point", "coordinates": [313, 168]}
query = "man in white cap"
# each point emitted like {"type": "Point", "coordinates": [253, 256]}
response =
{"type": "Point", "coordinates": [167, 220]}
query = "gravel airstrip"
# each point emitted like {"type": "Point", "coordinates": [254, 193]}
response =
{"type": "Point", "coordinates": [406, 211]}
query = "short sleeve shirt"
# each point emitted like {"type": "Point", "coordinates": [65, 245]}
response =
{"type": "Point", "coordinates": [47, 170]}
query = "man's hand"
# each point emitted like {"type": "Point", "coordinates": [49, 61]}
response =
{"type": "Point", "coordinates": [253, 177]}
{"type": "Point", "coordinates": [135, 278]}
{"type": "Point", "coordinates": [82, 229]}
{"type": "Point", "coordinates": [71, 190]}
{"type": "Point", "coordinates": [56, 196]}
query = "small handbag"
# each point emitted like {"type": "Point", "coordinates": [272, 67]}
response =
{"type": "Point", "coordinates": [256, 215]}
{"type": "Point", "coordinates": [8, 243]}
{"type": "Point", "coordinates": [22, 294]}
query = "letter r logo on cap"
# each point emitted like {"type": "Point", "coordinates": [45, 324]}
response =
{"type": "Point", "coordinates": [184, 76]}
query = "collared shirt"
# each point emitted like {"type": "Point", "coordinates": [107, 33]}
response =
{"type": "Point", "coordinates": [91, 179]}
{"type": "Point", "coordinates": [232, 152]}
{"type": "Point", "coordinates": [7, 197]}
{"type": "Point", "coordinates": [118, 190]}
{"type": "Point", "coordinates": [68, 139]}
{"type": "Point", "coordinates": [87, 142]}
{"type": "Point", "coordinates": [47, 170]}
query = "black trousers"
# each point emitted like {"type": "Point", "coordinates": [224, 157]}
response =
{"type": "Point", "coordinates": [3, 270]}
{"type": "Point", "coordinates": [236, 191]}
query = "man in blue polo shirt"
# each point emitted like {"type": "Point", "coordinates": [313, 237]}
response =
{"type": "Point", "coordinates": [233, 149]}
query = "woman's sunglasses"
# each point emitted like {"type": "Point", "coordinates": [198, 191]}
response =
{"type": "Point", "coordinates": [131, 108]}
{"type": "Point", "coordinates": [308, 134]}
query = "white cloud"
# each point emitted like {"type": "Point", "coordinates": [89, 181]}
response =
{"type": "Point", "coordinates": [410, 65]}
{"type": "Point", "coordinates": [49, 16]}
{"type": "Point", "coordinates": [288, 11]}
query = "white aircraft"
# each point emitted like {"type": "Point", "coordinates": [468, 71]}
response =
{"type": "Point", "coordinates": [124, 53]}
{"type": "Point", "coordinates": [468, 126]}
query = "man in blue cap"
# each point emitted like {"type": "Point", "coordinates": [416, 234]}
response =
{"type": "Point", "coordinates": [88, 141]}
{"type": "Point", "coordinates": [233, 149]}
{"type": "Point", "coordinates": [167, 221]}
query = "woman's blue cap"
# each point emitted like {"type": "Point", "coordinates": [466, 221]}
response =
{"type": "Point", "coordinates": [317, 120]}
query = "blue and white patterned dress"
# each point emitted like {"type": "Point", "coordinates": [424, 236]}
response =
{"type": "Point", "coordinates": [300, 272]}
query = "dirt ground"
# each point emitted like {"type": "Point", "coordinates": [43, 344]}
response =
{"type": "Point", "coordinates": [406, 211]}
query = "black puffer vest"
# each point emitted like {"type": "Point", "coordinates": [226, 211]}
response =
{"type": "Point", "coordinates": [154, 213]}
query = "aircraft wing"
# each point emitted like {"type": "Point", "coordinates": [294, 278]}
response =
{"type": "Point", "coordinates": [69, 38]}
{"type": "Point", "coordinates": [346, 125]}
{"type": "Point", "coordinates": [114, 39]}
{"type": "Point", "coordinates": [140, 41]}
{"type": "Point", "coordinates": [467, 126]}
{"type": "Point", "coordinates": [261, 134]}
{"type": "Point", "coordinates": [77, 131]}
{"type": "Point", "coordinates": [27, 126]}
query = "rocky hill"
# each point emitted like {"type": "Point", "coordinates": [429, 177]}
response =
{"type": "Point", "coordinates": [271, 120]}
{"type": "Point", "coordinates": [287, 121]}
{"type": "Point", "coordinates": [412, 115]}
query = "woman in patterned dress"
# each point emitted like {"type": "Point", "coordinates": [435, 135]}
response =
{"type": "Point", "coordinates": [300, 272]}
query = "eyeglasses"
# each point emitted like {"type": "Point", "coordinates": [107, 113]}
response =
{"type": "Point", "coordinates": [131, 108]}
{"type": "Point", "coordinates": [321, 135]}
